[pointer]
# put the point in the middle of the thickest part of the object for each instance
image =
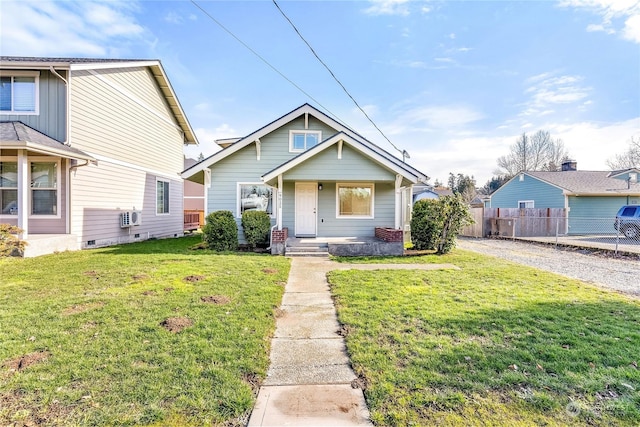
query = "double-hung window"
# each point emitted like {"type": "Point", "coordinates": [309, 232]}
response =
{"type": "Point", "coordinates": [354, 200]}
{"type": "Point", "coordinates": [302, 140]}
{"type": "Point", "coordinates": [19, 92]}
{"type": "Point", "coordinates": [255, 197]}
{"type": "Point", "coordinates": [526, 204]}
{"type": "Point", "coordinates": [45, 176]}
{"type": "Point", "coordinates": [8, 188]}
{"type": "Point", "coordinates": [162, 197]}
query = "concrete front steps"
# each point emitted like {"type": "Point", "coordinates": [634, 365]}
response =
{"type": "Point", "coordinates": [298, 248]}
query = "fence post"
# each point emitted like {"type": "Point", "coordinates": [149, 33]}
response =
{"type": "Point", "coordinates": [617, 234]}
{"type": "Point", "coordinates": [557, 230]}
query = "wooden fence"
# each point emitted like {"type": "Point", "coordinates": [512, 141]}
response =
{"type": "Point", "coordinates": [514, 222]}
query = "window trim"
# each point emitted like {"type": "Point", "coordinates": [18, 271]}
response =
{"type": "Point", "coordinates": [532, 202]}
{"type": "Point", "coordinates": [23, 73]}
{"type": "Point", "coordinates": [370, 185]}
{"type": "Point", "coordinates": [168, 184]}
{"type": "Point", "coordinates": [58, 187]}
{"type": "Point", "coordinates": [8, 159]}
{"type": "Point", "coordinates": [274, 195]}
{"type": "Point", "coordinates": [292, 132]}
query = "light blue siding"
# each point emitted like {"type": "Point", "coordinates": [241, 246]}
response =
{"type": "Point", "coordinates": [51, 119]}
{"type": "Point", "coordinates": [544, 195]}
{"type": "Point", "coordinates": [353, 166]}
{"type": "Point", "coordinates": [593, 215]}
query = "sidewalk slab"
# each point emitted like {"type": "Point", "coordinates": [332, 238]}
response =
{"type": "Point", "coordinates": [307, 322]}
{"type": "Point", "coordinates": [307, 298]}
{"type": "Point", "coordinates": [310, 405]}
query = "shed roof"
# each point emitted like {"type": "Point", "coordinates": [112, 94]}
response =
{"type": "Point", "coordinates": [588, 182]}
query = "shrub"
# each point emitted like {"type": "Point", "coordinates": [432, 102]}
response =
{"type": "Point", "coordinates": [436, 223]}
{"type": "Point", "coordinates": [10, 244]}
{"type": "Point", "coordinates": [256, 226]}
{"type": "Point", "coordinates": [221, 231]}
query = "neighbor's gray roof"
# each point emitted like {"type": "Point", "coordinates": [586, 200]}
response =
{"type": "Point", "coordinates": [587, 182]}
{"type": "Point", "coordinates": [18, 136]}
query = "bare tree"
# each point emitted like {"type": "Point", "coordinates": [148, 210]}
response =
{"type": "Point", "coordinates": [538, 152]}
{"type": "Point", "coordinates": [629, 159]}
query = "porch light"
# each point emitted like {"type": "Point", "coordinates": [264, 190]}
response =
{"type": "Point", "coordinates": [320, 187]}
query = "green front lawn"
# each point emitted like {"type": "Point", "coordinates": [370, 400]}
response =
{"type": "Point", "coordinates": [143, 334]}
{"type": "Point", "coordinates": [492, 344]}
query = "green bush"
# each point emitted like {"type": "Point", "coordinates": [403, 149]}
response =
{"type": "Point", "coordinates": [435, 224]}
{"type": "Point", "coordinates": [221, 231]}
{"type": "Point", "coordinates": [256, 226]}
{"type": "Point", "coordinates": [10, 244]}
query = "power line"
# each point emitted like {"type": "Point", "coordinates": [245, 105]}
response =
{"type": "Point", "coordinates": [262, 58]}
{"type": "Point", "coordinates": [404, 152]}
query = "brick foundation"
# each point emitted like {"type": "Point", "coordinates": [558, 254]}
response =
{"type": "Point", "coordinates": [279, 236]}
{"type": "Point", "coordinates": [389, 234]}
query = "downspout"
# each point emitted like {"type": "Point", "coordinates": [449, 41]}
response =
{"type": "Point", "coordinates": [67, 108]}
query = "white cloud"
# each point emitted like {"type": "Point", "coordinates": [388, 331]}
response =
{"type": "Point", "coordinates": [206, 137]}
{"type": "Point", "coordinates": [432, 118]}
{"type": "Point", "coordinates": [388, 7]}
{"type": "Point", "coordinates": [47, 28]}
{"type": "Point", "coordinates": [612, 14]}
{"type": "Point", "coordinates": [547, 90]}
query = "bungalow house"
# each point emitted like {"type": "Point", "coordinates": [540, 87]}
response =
{"type": "Point", "coordinates": [90, 152]}
{"type": "Point", "coordinates": [314, 176]}
{"type": "Point", "coordinates": [586, 196]}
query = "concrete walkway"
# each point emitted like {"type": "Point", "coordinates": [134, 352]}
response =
{"type": "Point", "coordinates": [310, 376]}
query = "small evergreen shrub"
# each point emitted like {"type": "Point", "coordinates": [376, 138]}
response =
{"type": "Point", "coordinates": [10, 244]}
{"type": "Point", "coordinates": [436, 223]}
{"type": "Point", "coordinates": [256, 226]}
{"type": "Point", "coordinates": [220, 231]}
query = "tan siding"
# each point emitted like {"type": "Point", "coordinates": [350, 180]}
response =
{"type": "Point", "coordinates": [107, 122]}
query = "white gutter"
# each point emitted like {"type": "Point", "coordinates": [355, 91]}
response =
{"type": "Point", "coordinates": [68, 96]}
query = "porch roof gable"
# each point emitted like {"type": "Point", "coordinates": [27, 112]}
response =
{"type": "Point", "coordinates": [407, 172]}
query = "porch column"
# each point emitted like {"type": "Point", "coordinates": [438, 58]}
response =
{"type": "Point", "coordinates": [398, 202]}
{"type": "Point", "coordinates": [23, 193]}
{"type": "Point", "coordinates": [279, 204]}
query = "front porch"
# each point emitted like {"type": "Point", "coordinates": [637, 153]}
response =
{"type": "Point", "coordinates": [385, 242]}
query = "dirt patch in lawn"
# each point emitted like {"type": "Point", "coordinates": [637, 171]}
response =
{"type": "Point", "coordinates": [176, 324]}
{"type": "Point", "coordinates": [92, 273]}
{"type": "Point", "coordinates": [216, 299]}
{"type": "Point", "coordinates": [138, 277]}
{"type": "Point", "coordinates": [35, 414]}
{"type": "Point", "coordinates": [81, 308]}
{"type": "Point", "coordinates": [269, 270]}
{"type": "Point", "coordinates": [194, 278]}
{"type": "Point", "coordinates": [23, 362]}
{"type": "Point", "coordinates": [149, 293]}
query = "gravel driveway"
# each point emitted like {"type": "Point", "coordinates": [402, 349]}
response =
{"type": "Point", "coordinates": [619, 274]}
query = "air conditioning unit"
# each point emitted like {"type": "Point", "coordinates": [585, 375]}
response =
{"type": "Point", "coordinates": [129, 218]}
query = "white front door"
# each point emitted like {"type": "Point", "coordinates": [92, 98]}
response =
{"type": "Point", "coordinates": [306, 207]}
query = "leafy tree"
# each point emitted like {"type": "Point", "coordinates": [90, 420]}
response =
{"type": "Point", "coordinates": [464, 185]}
{"type": "Point", "coordinates": [435, 223]}
{"type": "Point", "coordinates": [201, 157]}
{"type": "Point", "coordinates": [628, 159]}
{"type": "Point", "coordinates": [538, 152]}
{"type": "Point", "coordinates": [494, 183]}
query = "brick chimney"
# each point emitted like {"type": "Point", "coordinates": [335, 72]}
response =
{"type": "Point", "coordinates": [569, 165]}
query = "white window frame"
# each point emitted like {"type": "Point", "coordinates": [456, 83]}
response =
{"type": "Point", "coordinates": [305, 132]}
{"type": "Point", "coordinates": [168, 184]}
{"type": "Point", "coordinates": [370, 185]}
{"type": "Point", "coordinates": [8, 160]}
{"type": "Point", "coordinates": [528, 204]}
{"type": "Point", "coordinates": [274, 195]}
{"type": "Point", "coordinates": [58, 187]}
{"type": "Point", "coordinates": [12, 74]}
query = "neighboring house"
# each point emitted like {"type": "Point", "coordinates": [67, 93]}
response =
{"type": "Point", "coordinates": [89, 148]}
{"type": "Point", "coordinates": [193, 201]}
{"type": "Point", "coordinates": [313, 175]}
{"type": "Point", "coordinates": [424, 191]}
{"type": "Point", "coordinates": [584, 194]}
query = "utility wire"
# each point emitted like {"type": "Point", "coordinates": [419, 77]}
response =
{"type": "Point", "coordinates": [404, 153]}
{"type": "Point", "coordinates": [261, 58]}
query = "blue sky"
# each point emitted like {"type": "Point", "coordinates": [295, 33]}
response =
{"type": "Point", "coordinates": [454, 83]}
